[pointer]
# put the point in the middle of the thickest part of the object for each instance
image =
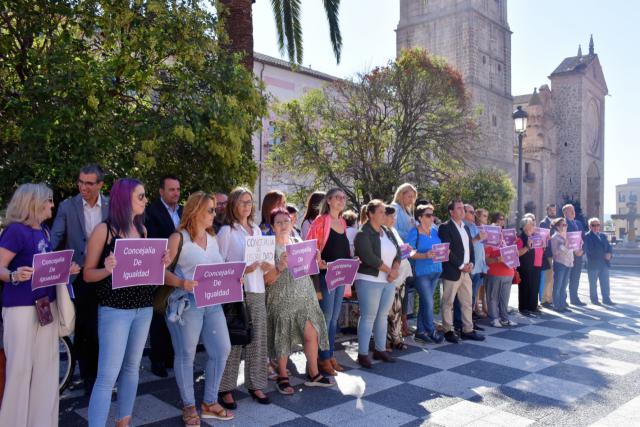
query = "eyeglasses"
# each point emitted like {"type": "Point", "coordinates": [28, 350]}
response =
{"type": "Point", "coordinates": [247, 203]}
{"type": "Point", "coordinates": [282, 223]}
{"type": "Point", "coordinates": [595, 225]}
{"type": "Point", "coordinates": [87, 183]}
{"type": "Point", "coordinates": [339, 197]}
{"type": "Point", "coordinates": [142, 196]}
{"type": "Point", "coordinates": [427, 215]}
{"type": "Point", "coordinates": [471, 212]}
{"type": "Point", "coordinates": [211, 211]}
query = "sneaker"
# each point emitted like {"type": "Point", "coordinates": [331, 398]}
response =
{"type": "Point", "coordinates": [508, 323]}
{"type": "Point", "coordinates": [436, 337]}
{"type": "Point", "coordinates": [496, 323]}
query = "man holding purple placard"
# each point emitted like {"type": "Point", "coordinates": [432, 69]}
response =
{"type": "Point", "coordinates": [573, 224]}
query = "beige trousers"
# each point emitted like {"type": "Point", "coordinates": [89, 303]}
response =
{"type": "Point", "coordinates": [31, 391]}
{"type": "Point", "coordinates": [547, 294]}
{"type": "Point", "coordinates": [462, 289]}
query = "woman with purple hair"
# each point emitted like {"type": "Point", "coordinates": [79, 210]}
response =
{"type": "Point", "coordinates": [124, 315]}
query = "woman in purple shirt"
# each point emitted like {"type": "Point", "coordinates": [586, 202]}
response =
{"type": "Point", "coordinates": [31, 342]}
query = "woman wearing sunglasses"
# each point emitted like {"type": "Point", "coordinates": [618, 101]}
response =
{"type": "Point", "coordinates": [562, 263]}
{"type": "Point", "coordinates": [199, 246]}
{"type": "Point", "coordinates": [124, 314]}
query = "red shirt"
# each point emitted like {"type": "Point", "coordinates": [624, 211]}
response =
{"type": "Point", "coordinates": [497, 268]}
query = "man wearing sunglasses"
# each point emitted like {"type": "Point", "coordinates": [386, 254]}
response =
{"type": "Point", "coordinates": [162, 217]}
{"type": "Point", "coordinates": [599, 253]}
{"type": "Point", "coordinates": [76, 218]}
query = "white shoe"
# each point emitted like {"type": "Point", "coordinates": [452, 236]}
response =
{"type": "Point", "coordinates": [496, 323]}
{"type": "Point", "coordinates": [509, 323]}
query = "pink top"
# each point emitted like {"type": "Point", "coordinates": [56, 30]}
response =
{"type": "Point", "coordinates": [320, 229]}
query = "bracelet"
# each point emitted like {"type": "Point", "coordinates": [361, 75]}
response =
{"type": "Point", "coordinates": [12, 278]}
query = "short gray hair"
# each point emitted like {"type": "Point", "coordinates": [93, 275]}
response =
{"type": "Point", "coordinates": [526, 221]}
{"type": "Point", "coordinates": [27, 202]}
{"type": "Point", "coordinates": [592, 220]}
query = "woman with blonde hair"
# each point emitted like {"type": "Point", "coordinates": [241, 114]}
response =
{"type": "Point", "coordinates": [403, 200]}
{"type": "Point", "coordinates": [196, 243]}
{"type": "Point", "coordinates": [30, 340]}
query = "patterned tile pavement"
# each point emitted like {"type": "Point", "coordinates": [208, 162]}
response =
{"type": "Point", "coordinates": [582, 368]}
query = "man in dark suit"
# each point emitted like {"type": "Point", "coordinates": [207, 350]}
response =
{"type": "Point", "coordinates": [573, 224]}
{"type": "Point", "coordinates": [456, 274]}
{"type": "Point", "coordinates": [76, 218]}
{"type": "Point", "coordinates": [162, 218]}
{"type": "Point", "coordinates": [599, 252]}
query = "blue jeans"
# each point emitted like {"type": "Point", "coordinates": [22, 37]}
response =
{"type": "Point", "coordinates": [602, 274]}
{"type": "Point", "coordinates": [561, 275]}
{"type": "Point", "coordinates": [426, 285]}
{"type": "Point", "coordinates": [476, 281]}
{"type": "Point", "coordinates": [375, 300]}
{"type": "Point", "coordinates": [122, 335]}
{"type": "Point", "coordinates": [331, 303]}
{"type": "Point", "coordinates": [210, 324]}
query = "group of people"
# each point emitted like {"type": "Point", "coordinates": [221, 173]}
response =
{"type": "Point", "coordinates": [392, 242]}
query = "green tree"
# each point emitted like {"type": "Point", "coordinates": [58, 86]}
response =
{"type": "Point", "coordinates": [143, 88]}
{"type": "Point", "coordinates": [408, 121]}
{"type": "Point", "coordinates": [490, 189]}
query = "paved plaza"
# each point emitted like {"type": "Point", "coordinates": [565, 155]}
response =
{"type": "Point", "coordinates": [578, 369]}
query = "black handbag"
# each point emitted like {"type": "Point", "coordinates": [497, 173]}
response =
{"type": "Point", "coordinates": [238, 323]}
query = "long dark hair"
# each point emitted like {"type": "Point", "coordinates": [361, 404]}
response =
{"type": "Point", "coordinates": [313, 205]}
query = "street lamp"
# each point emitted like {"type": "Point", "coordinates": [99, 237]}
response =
{"type": "Point", "coordinates": [520, 120]}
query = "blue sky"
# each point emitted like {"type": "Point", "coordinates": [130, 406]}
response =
{"type": "Point", "coordinates": [544, 33]}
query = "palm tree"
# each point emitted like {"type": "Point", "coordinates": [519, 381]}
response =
{"type": "Point", "coordinates": [239, 26]}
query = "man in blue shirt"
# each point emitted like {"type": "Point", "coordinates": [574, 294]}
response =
{"type": "Point", "coordinates": [599, 253]}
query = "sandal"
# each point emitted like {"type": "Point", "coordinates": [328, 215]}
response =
{"type": "Point", "coordinates": [190, 417]}
{"type": "Point", "coordinates": [209, 411]}
{"type": "Point", "coordinates": [282, 384]}
{"type": "Point", "coordinates": [400, 346]}
{"type": "Point", "coordinates": [318, 381]}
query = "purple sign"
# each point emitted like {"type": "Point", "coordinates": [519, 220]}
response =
{"type": "Point", "coordinates": [574, 240]}
{"type": "Point", "coordinates": [509, 236]}
{"type": "Point", "coordinates": [510, 256]}
{"type": "Point", "coordinates": [218, 283]}
{"type": "Point", "coordinates": [302, 258]}
{"type": "Point", "coordinates": [544, 234]}
{"type": "Point", "coordinates": [537, 241]}
{"type": "Point", "coordinates": [440, 252]}
{"type": "Point", "coordinates": [405, 250]}
{"type": "Point", "coordinates": [493, 235]}
{"type": "Point", "coordinates": [51, 268]}
{"type": "Point", "coordinates": [341, 272]}
{"type": "Point", "coordinates": [138, 262]}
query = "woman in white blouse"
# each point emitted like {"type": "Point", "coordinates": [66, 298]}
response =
{"type": "Point", "coordinates": [188, 323]}
{"type": "Point", "coordinates": [239, 223]}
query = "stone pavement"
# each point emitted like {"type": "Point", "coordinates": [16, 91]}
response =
{"type": "Point", "coordinates": [577, 369]}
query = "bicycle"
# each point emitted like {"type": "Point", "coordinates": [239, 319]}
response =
{"type": "Point", "coordinates": [67, 362]}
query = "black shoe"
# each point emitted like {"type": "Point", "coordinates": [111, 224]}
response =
{"type": "Point", "coordinates": [609, 303]}
{"type": "Point", "coordinates": [422, 337]}
{"type": "Point", "coordinates": [451, 337]}
{"type": "Point", "coordinates": [158, 369]}
{"type": "Point", "coordinates": [477, 328]}
{"type": "Point", "coordinates": [261, 400]}
{"type": "Point", "coordinates": [473, 336]}
{"type": "Point", "coordinates": [578, 303]}
{"type": "Point", "coordinates": [596, 303]}
{"type": "Point", "coordinates": [231, 405]}
{"type": "Point", "coordinates": [547, 305]}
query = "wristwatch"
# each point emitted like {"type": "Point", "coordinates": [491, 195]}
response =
{"type": "Point", "coordinates": [12, 278]}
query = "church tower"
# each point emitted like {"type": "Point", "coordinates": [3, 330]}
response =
{"type": "Point", "coordinates": [474, 37]}
{"type": "Point", "coordinates": [578, 88]}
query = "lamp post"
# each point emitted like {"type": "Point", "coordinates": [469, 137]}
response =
{"type": "Point", "coordinates": [520, 120]}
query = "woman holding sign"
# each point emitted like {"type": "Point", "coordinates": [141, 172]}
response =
{"type": "Point", "coordinates": [232, 238]}
{"type": "Point", "coordinates": [380, 255]}
{"type": "Point", "coordinates": [530, 268]}
{"type": "Point", "coordinates": [422, 239]}
{"type": "Point", "coordinates": [562, 263]}
{"type": "Point", "coordinates": [330, 231]}
{"type": "Point", "coordinates": [293, 314]}
{"type": "Point", "coordinates": [124, 314]}
{"type": "Point", "coordinates": [199, 246]}
{"type": "Point", "coordinates": [30, 317]}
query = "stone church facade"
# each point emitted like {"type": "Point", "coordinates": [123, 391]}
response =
{"type": "Point", "coordinates": [564, 143]}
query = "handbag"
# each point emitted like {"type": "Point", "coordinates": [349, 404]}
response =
{"type": "Point", "coordinates": [238, 323]}
{"type": "Point", "coordinates": [161, 295]}
{"type": "Point", "coordinates": [66, 311]}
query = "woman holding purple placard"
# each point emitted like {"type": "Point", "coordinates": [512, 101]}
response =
{"type": "Point", "coordinates": [330, 231]}
{"type": "Point", "coordinates": [422, 238]}
{"type": "Point", "coordinates": [188, 323]}
{"type": "Point", "coordinates": [294, 317]}
{"type": "Point", "coordinates": [124, 315]}
{"type": "Point", "coordinates": [530, 269]}
{"type": "Point", "coordinates": [562, 263]}
{"type": "Point", "coordinates": [30, 317]}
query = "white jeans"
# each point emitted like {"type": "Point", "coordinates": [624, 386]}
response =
{"type": "Point", "coordinates": [31, 392]}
